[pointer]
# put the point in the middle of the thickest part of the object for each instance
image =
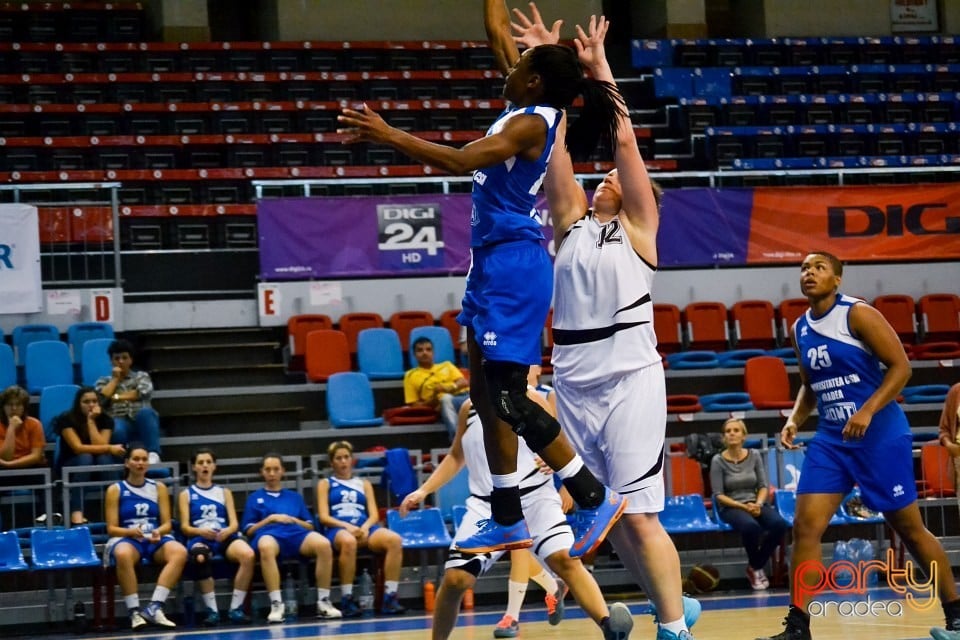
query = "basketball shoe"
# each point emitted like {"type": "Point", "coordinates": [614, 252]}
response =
{"type": "Point", "coordinates": [691, 612]}
{"type": "Point", "coordinates": [491, 536]}
{"type": "Point", "coordinates": [594, 524]}
{"type": "Point", "coordinates": [797, 626]}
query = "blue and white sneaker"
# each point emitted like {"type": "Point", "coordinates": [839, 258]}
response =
{"type": "Point", "coordinates": [153, 613]}
{"type": "Point", "coordinates": [491, 537]}
{"type": "Point", "coordinates": [663, 634]}
{"type": "Point", "coordinates": [238, 616]}
{"type": "Point", "coordinates": [211, 618]}
{"type": "Point", "coordinates": [594, 524]}
{"type": "Point", "coordinates": [691, 611]}
{"type": "Point", "coordinates": [944, 634]}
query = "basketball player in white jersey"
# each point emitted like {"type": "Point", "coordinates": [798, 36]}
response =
{"type": "Point", "coordinates": [608, 376]}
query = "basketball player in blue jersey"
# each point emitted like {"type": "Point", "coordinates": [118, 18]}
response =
{"type": "Point", "coordinates": [862, 437]}
{"type": "Point", "coordinates": [509, 286]}
{"type": "Point", "coordinates": [137, 510]}
{"type": "Point", "coordinates": [208, 518]}
{"type": "Point", "coordinates": [548, 524]}
{"type": "Point", "coordinates": [608, 377]}
{"type": "Point", "coordinates": [278, 525]}
{"type": "Point", "coordinates": [347, 508]}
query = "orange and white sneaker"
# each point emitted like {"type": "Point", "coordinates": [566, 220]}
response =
{"type": "Point", "coordinates": [506, 628]}
{"type": "Point", "coordinates": [554, 602]}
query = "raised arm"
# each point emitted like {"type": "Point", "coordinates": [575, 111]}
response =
{"type": "Point", "coordinates": [565, 196]}
{"type": "Point", "coordinates": [496, 21]}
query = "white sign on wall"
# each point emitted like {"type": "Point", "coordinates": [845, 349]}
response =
{"type": "Point", "coordinates": [20, 286]}
{"type": "Point", "coordinates": [913, 15]}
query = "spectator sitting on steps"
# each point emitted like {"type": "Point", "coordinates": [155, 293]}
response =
{"type": "Point", "coordinates": [438, 386]}
{"type": "Point", "coordinates": [126, 393]}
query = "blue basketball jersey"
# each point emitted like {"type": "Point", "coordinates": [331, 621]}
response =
{"type": "Point", "coordinates": [843, 373]}
{"type": "Point", "coordinates": [504, 194]}
{"type": "Point", "coordinates": [208, 507]}
{"type": "Point", "coordinates": [262, 503]}
{"type": "Point", "coordinates": [138, 505]}
{"type": "Point", "coordinates": [348, 501]}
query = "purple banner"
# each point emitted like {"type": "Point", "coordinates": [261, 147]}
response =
{"type": "Point", "coordinates": [704, 227]}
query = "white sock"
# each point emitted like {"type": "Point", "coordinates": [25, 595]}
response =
{"type": "Point", "coordinates": [160, 594]}
{"type": "Point", "coordinates": [132, 602]}
{"type": "Point", "coordinates": [210, 599]}
{"type": "Point", "coordinates": [571, 468]}
{"type": "Point", "coordinates": [506, 480]}
{"type": "Point", "coordinates": [323, 594]}
{"type": "Point", "coordinates": [515, 594]}
{"type": "Point", "coordinates": [275, 596]}
{"type": "Point", "coordinates": [546, 581]}
{"type": "Point", "coordinates": [239, 597]}
{"type": "Point", "coordinates": [346, 590]}
{"type": "Point", "coordinates": [676, 626]}
{"type": "Point", "coordinates": [588, 567]}
{"type": "Point", "coordinates": [391, 586]}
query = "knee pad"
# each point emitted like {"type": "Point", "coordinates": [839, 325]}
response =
{"type": "Point", "coordinates": [507, 384]}
{"type": "Point", "coordinates": [201, 557]}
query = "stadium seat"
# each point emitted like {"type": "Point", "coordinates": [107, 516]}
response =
{"type": "Point", "coordinates": [737, 358]}
{"type": "Point", "coordinates": [8, 369]}
{"type": "Point", "coordinates": [791, 309]}
{"type": "Point", "coordinates": [298, 327]}
{"type": "Point", "coordinates": [379, 355]}
{"type": "Point", "coordinates": [787, 354]}
{"type": "Point", "coordinates": [790, 461]}
{"type": "Point", "coordinates": [900, 311]}
{"type": "Point", "coordinates": [11, 557]}
{"type": "Point", "coordinates": [442, 346]}
{"type": "Point", "coordinates": [459, 510]}
{"type": "Point", "coordinates": [78, 334]}
{"type": "Point", "coordinates": [327, 353]}
{"type": "Point", "coordinates": [420, 529]}
{"type": "Point", "coordinates": [693, 360]}
{"type": "Point", "coordinates": [683, 403]}
{"type": "Point", "coordinates": [728, 401]}
{"type": "Point", "coordinates": [398, 416]}
{"type": "Point", "coordinates": [27, 333]}
{"type": "Point", "coordinates": [47, 363]}
{"type": "Point", "coordinates": [936, 472]}
{"type": "Point", "coordinates": [786, 503]}
{"type": "Point", "coordinates": [62, 549]}
{"type": "Point", "coordinates": [706, 324]}
{"type": "Point", "coordinates": [765, 380]}
{"type": "Point", "coordinates": [454, 492]}
{"type": "Point", "coordinates": [918, 394]}
{"type": "Point", "coordinates": [448, 320]}
{"type": "Point", "coordinates": [95, 361]}
{"type": "Point", "coordinates": [686, 476]}
{"type": "Point", "coordinates": [940, 317]}
{"type": "Point", "coordinates": [404, 321]}
{"type": "Point", "coordinates": [716, 516]}
{"type": "Point", "coordinates": [935, 351]}
{"type": "Point", "coordinates": [351, 324]}
{"type": "Point", "coordinates": [754, 325]}
{"type": "Point", "coordinates": [666, 324]}
{"type": "Point", "coordinates": [350, 401]}
{"type": "Point", "coordinates": [686, 514]}
{"type": "Point", "coordinates": [54, 400]}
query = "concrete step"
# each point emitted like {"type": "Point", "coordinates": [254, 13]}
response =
{"type": "Point", "coordinates": [212, 355]}
{"type": "Point", "coordinates": [223, 376]}
{"type": "Point", "coordinates": [261, 421]}
{"type": "Point", "coordinates": [148, 340]}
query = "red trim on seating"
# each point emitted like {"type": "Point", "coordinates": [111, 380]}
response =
{"type": "Point", "coordinates": [365, 45]}
{"type": "Point", "coordinates": [187, 210]}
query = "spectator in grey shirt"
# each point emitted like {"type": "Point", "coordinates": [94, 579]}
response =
{"type": "Point", "coordinates": [739, 484]}
{"type": "Point", "coordinates": [126, 394]}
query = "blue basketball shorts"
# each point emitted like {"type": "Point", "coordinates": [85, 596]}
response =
{"type": "Point", "coordinates": [331, 533]}
{"type": "Point", "coordinates": [508, 295]}
{"type": "Point", "coordinates": [884, 471]}
{"type": "Point", "coordinates": [289, 542]}
{"type": "Point", "coordinates": [216, 548]}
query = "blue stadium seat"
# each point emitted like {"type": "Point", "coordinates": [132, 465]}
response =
{"type": "Point", "coordinates": [11, 557]}
{"type": "Point", "coordinates": [918, 394]}
{"type": "Point", "coordinates": [379, 354]}
{"type": "Point", "coordinates": [459, 511]}
{"type": "Point", "coordinates": [54, 400]}
{"type": "Point", "coordinates": [792, 465]}
{"type": "Point", "coordinates": [786, 503]}
{"type": "Point", "coordinates": [27, 333]}
{"type": "Point", "coordinates": [442, 344]}
{"type": "Point", "coordinates": [62, 548]}
{"type": "Point", "coordinates": [693, 360]}
{"type": "Point", "coordinates": [728, 401]}
{"type": "Point", "coordinates": [787, 354]}
{"type": "Point", "coordinates": [716, 517]}
{"type": "Point", "coordinates": [452, 494]}
{"type": "Point", "coordinates": [737, 358]}
{"type": "Point", "coordinates": [686, 514]}
{"type": "Point", "coordinates": [95, 361]}
{"type": "Point", "coordinates": [47, 363]}
{"type": "Point", "coordinates": [421, 529]}
{"type": "Point", "coordinates": [350, 401]}
{"type": "Point", "coordinates": [8, 368]}
{"type": "Point", "coordinates": [80, 332]}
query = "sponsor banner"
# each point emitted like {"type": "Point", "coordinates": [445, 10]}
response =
{"type": "Point", "coordinates": [20, 286]}
{"type": "Point", "coordinates": [880, 224]}
{"type": "Point", "coordinates": [704, 227]}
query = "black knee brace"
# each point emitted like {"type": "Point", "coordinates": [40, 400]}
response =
{"type": "Point", "coordinates": [200, 556]}
{"type": "Point", "coordinates": [507, 384]}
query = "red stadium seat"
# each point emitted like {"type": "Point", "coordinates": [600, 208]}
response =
{"type": "Point", "coordinates": [298, 327]}
{"type": "Point", "coordinates": [754, 326]}
{"type": "Point", "coordinates": [940, 317]}
{"type": "Point", "coordinates": [327, 354]}
{"type": "Point", "coordinates": [666, 324]}
{"type": "Point", "coordinates": [790, 310]}
{"type": "Point", "coordinates": [706, 324]}
{"type": "Point", "coordinates": [353, 323]}
{"type": "Point", "coordinates": [900, 311]}
{"type": "Point", "coordinates": [403, 321]}
{"type": "Point", "coordinates": [765, 379]}
{"type": "Point", "coordinates": [937, 473]}
{"type": "Point", "coordinates": [686, 476]}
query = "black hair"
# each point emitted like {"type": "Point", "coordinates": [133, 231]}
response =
{"type": "Point", "coordinates": [199, 452]}
{"type": "Point", "coordinates": [268, 455]}
{"type": "Point", "coordinates": [421, 340]}
{"type": "Point", "coordinates": [120, 346]}
{"type": "Point", "coordinates": [128, 453]}
{"type": "Point", "coordinates": [76, 414]}
{"type": "Point", "coordinates": [563, 80]}
{"type": "Point", "coordinates": [832, 259]}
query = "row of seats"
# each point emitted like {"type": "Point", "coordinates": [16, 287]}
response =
{"type": "Point", "coordinates": [38, 358]}
{"type": "Point", "coordinates": [83, 21]}
{"type": "Point", "coordinates": [758, 324]}
{"type": "Point", "coordinates": [779, 52]}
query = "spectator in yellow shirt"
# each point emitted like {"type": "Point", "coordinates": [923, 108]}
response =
{"type": "Point", "coordinates": [440, 386]}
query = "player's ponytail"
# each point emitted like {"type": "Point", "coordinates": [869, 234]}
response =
{"type": "Point", "coordinates": [602, 106]}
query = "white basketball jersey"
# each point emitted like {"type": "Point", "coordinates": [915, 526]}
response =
{"type": "Point", "coordinates": [602, 310]}
{"type": "Point", "coordinates": [479, 481]}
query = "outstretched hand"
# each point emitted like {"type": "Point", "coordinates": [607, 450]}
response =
{"type": "Point", "coordinates": [363, 125]}
{"type": "Point", "coordinates": [589, 44]}
{"type": "Point", "coordinates": [411, 501]}
{"type": "Point", "coordinates": [531, 31]}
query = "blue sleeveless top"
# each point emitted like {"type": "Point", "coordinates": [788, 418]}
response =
{"type": "Point", "coordinates": [348, 501]}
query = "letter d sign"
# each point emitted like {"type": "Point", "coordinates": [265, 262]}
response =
{"type": "Point", "coordinates": [101, 306]}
